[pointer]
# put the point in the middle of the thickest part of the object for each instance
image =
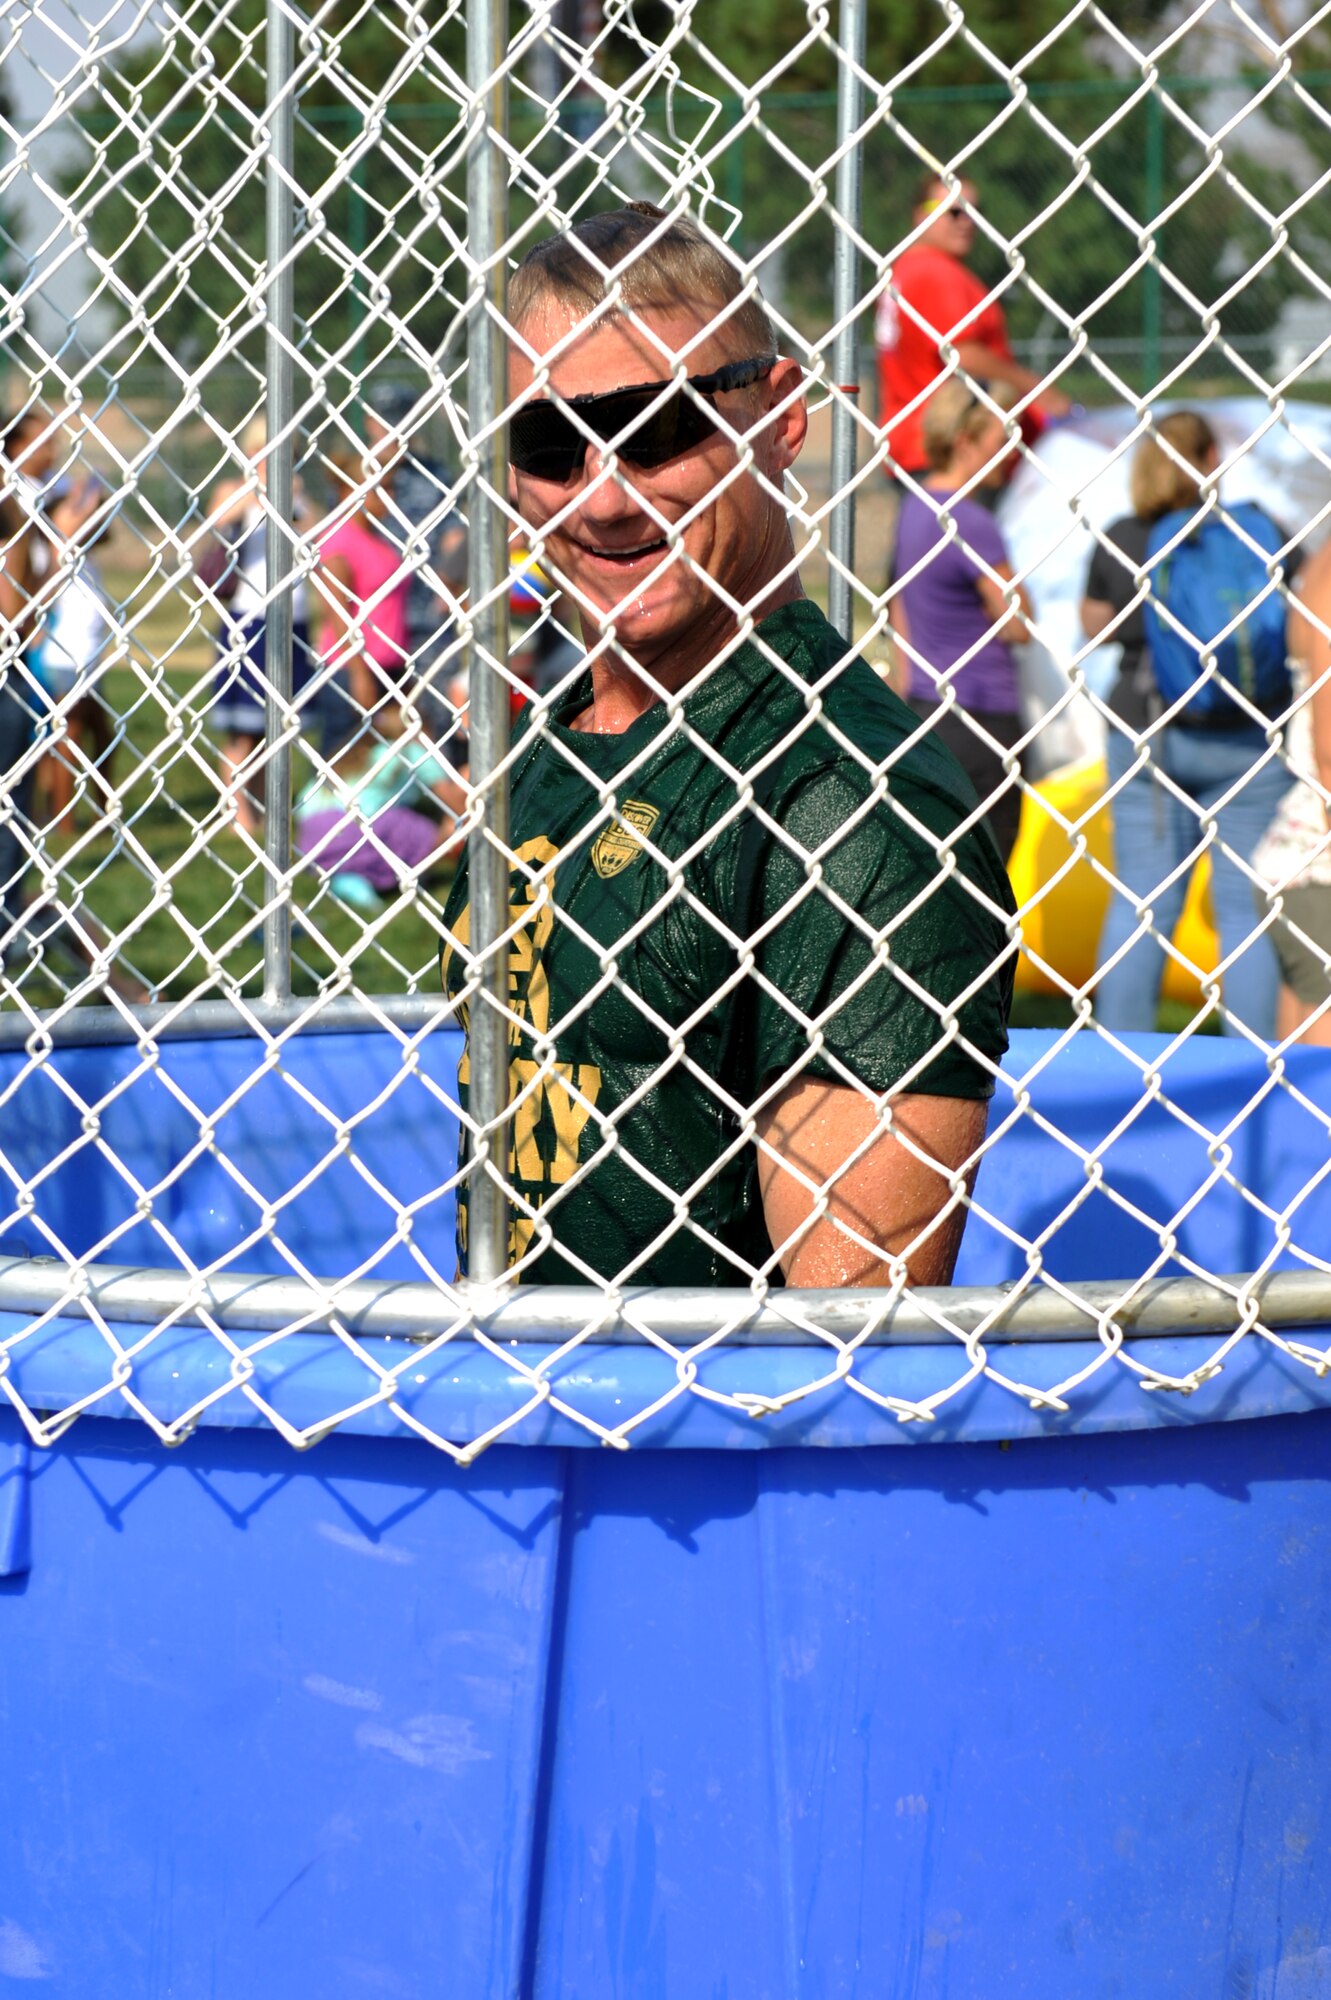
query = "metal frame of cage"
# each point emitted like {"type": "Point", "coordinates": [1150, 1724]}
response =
{"type": "Point", "coordinates": [1115, 1309]}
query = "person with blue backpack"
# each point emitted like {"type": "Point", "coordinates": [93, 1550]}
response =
{"type": "Point", "coordinates": [1204, 675]}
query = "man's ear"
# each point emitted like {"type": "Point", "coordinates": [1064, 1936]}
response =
{"type": "Point", "coordinates": [788, 427]}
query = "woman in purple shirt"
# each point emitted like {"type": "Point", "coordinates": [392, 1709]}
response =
{"type": "Point", "coordinates": [954, 622]}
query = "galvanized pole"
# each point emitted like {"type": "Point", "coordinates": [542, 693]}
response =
{"type": "Point", "coordinates": [845, 295]}
{"type": "Point", "coordinates": [487, 639]}
{"type": "Point", "coordinates": [279, 477]}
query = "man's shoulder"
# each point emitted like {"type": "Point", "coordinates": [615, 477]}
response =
{"type": "Point", "coordinates": [840, 722]}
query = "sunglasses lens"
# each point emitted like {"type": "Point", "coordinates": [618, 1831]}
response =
{"type": "Point", "coordinates": [645, 428]}
{"type": "Point", "coordinates": [675, 423]}
{"type": "Point", "coordinates": [544, 444]}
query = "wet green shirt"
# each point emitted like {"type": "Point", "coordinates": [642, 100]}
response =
{"type": "Point", "coordinates": [688, 935]}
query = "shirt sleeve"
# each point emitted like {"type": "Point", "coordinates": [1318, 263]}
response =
{"type": "Point", "coordinates": [982, 535]}
{"type": "Point", "coordinates": [1109, 577]}
{"type": "Point", "coordinates": [79, 627]}
{"type": "Point", "coordinates": [896, 970]}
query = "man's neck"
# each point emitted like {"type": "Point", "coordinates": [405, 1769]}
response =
{"type": "Point", "coordinates": [626, 686]}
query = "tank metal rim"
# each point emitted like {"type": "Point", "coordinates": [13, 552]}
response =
{"type": "Point", "coordinates": [551, 1315]}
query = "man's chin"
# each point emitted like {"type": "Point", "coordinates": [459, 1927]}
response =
{"type": "Point", "coordinates": [649, 617]}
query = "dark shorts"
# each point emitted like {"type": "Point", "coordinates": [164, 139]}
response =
{"type": "Point", "coordinates": [1303, 967]}
{"type": "Point", "coordinates": [239, 684]}
{"type": "Point", "coordinates": [982, 762]}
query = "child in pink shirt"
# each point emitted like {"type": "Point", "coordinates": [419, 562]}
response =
{"type": "Point", "coordinates": [366, 589]}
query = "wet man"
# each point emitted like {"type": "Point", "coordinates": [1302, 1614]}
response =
{"type": "Point", "coordinates": [761, 968]}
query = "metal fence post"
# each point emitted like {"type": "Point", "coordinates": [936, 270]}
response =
{"type": "Point", "coordinates": [845, 296]}
{"type": "Point", "coordinates": [279, 479]}
{"type": "Point", "coordinates": [487, 640]}
{"type": "Point", "coordinates": [1154, 201]}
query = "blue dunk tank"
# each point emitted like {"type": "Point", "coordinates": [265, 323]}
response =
{"type": "Point", "coordinates": [690, 1684]}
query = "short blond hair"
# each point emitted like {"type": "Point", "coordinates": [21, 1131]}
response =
{"type": "Point", "coordinates": [954, 413]}
{"type": "Point", "coordinates": [657, 269]}
{"type": "Point", "coordinates": [1157, 483]}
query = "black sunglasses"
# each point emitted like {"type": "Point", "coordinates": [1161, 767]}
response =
{"type": "Point", "coordinates": [660, 419]}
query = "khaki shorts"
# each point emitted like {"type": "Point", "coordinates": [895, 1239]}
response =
{"type": "Point", "coordinates": [1305, 971]}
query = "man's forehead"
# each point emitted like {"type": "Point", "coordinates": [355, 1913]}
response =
{"type": "Point", "coordinates": [649, 341]}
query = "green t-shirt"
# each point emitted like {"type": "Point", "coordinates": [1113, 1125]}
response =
{"type": "Point", "coordinates": [749, 886]}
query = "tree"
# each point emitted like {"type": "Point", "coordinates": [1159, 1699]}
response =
{"type": "Point", "coordinates": [171, 180]}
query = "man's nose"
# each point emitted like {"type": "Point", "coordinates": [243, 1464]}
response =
{"type": "Point", "coordinates": [606, 495]}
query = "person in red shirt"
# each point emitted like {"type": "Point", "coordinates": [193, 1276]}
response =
{"type": "Point", "coordinates": [933, 296]}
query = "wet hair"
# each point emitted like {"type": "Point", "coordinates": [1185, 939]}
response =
{"type": "Point", "coordinates": [661, 264]}
{"type": "Point", "coordinates": [1158, 484]}
{"type": "Point", "coordinates": [954, 413]}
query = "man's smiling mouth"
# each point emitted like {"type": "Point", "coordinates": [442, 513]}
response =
{"type": "Point", "coordinates": [626, 558]}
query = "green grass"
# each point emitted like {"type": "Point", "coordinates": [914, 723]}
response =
{"type": "Point", "coordinates": [157, 868]}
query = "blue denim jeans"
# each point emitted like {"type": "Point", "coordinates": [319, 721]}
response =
{"type": "Point", "coordinates": [1154, 833]}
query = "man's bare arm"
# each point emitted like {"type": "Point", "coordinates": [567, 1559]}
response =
{"type": "Point", "coordinates": [884, 1200]}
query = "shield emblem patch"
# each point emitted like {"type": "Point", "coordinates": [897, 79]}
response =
{"type": "Point", "coordinates": [616, 846]}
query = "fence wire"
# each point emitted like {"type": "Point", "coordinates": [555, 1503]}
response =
{"type": "Point", "coordinates": [331, 705]}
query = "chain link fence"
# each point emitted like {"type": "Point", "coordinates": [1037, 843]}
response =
{"type": "Point", "coordinates": [295, 661]}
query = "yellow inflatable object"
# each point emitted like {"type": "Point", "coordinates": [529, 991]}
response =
{"type": "Point", "coordinates": [1062, 900]}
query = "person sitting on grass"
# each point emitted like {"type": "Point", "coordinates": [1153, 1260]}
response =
{"type": "Point", "coordinates": [386, 811]}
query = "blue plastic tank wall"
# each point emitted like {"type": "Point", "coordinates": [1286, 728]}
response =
{"type": "Point", "coordinates": [949, 1721]}
{"type": "Point", "coordinates": [91, 1129]}
{"type": "Point", "coordinates": [966, 1719]}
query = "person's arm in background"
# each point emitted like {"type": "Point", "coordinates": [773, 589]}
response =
{"type": "Point", "coordinates": [991, 364]}
{"type": "Point", "coordinates": [885, 1192]}
{"type": "Point", "coordinates": [71, 514]}
{"type": "Point", "coordinates": [16, 605]}
{"type": "Point", "coordinates": [1308, 628]}
{"type": "Point", "coordinates": [228, 501]}
{"type": "Point", "coordinates": [1009, 611]}
{"type": "Point", "coordinates": [342, 640]}
{"type": "Point", "coordinates": [1012, 612]}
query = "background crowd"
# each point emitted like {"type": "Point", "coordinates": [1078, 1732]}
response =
{"type": "Point", "coordinates": [1224, 746]}
{"type": "Point", "coordinates": [1211, 664]}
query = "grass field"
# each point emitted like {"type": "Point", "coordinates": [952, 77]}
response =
{"type": "Point", "coordinates": [163, 872]}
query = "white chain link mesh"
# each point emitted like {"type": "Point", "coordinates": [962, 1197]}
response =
{"type": "Point", "coordinates": [1151, 245]}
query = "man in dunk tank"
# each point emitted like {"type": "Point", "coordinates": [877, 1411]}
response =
{"type": "Point", "coordinates": [762, 962]}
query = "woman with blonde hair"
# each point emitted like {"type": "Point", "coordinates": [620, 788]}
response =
{"type": "Point", "coordinates": [956, 612]}
{"type": "Point", "coordinates": [1204, 764]}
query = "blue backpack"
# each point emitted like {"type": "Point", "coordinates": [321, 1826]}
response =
{"type": "Point", "coordinates": [1206, 583]}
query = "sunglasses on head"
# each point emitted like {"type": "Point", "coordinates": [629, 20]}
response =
{"type": "Point", "coordinates": [647, 424]}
